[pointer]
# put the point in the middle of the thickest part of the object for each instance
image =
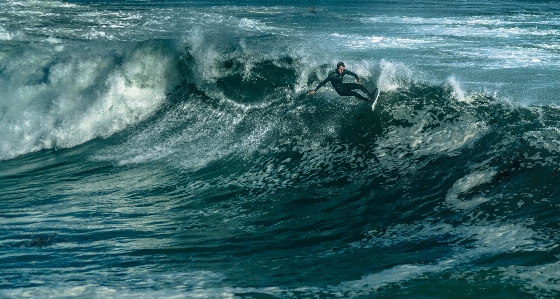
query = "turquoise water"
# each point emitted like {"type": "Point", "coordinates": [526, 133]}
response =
{"type": "Point", "coordinates": [170, 150]}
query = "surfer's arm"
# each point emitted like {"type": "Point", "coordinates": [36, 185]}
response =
{"type": "Point", "coordinates": [353, 75]}
{"type": "Point", "coordinates": [320, 85]}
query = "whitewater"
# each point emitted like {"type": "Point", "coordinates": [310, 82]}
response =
{"type": "Point", "coordinates": [170, 149]}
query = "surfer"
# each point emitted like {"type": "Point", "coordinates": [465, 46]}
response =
{"type": "Point", "coordinates": [344, 89]}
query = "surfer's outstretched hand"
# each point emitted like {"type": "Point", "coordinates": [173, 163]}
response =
{"type": "Point", "coordinates": [311, 92]}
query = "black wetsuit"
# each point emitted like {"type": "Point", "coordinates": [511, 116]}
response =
{"type": "Point", "coordinates": [344, 89]}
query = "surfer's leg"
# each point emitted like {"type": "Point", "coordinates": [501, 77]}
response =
{"type": "Point", "coordinates": [350, 93]}
{"type": "Point", "coordinates": [359, 96]}
{"type": "Point", "coordinates": [352, 86]}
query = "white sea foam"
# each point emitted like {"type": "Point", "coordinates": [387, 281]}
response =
{"type": "Point", "coordinates": [464, 185]}
{"type": "Point", "coordinates": [254, 25]}
{"type": "Point", "coordinates": [547, 139]}
{"type": "Point", "coordinates": [458, 92]}
{"type": "Point", "coordinates": [394, 75]}
{"type": "Point", "coordinates": [185, 285]}
{"type": "Point", "coordinates": [381, 42]}
{"type": "Point", "coordinates": [6, 35]}
{"type": "Point", "coordinates": [488, 240]}
{"type": "Point", "coordinates": [483, 239]}
{"type": "Point", "coordinates": [371, 283]}
{"type": "Point", "coordinates": [541, 280]}
{"type": "Point", "coordinates": [63, 103]}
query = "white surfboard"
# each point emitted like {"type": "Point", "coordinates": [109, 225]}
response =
{"type": "Point", "coordinates": [374, 98]}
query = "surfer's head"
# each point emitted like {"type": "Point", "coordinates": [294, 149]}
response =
{"type": "Point", "coordinates": [340, 67]}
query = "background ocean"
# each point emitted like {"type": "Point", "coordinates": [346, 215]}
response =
{"type": "Point", "coordinates": [169, 149]}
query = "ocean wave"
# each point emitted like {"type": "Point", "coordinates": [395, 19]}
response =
{"type": "Point", "coordinates": [178, 154]}
{"type": "Point", "coordinates": [227, 90]}
{"type": "Point", "coordinates": [66, 96]}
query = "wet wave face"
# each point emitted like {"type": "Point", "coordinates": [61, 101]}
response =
{"type": "Point", "coordinates": [244, 186]}
{"type": "Point", "coordinates": [198, 167]}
